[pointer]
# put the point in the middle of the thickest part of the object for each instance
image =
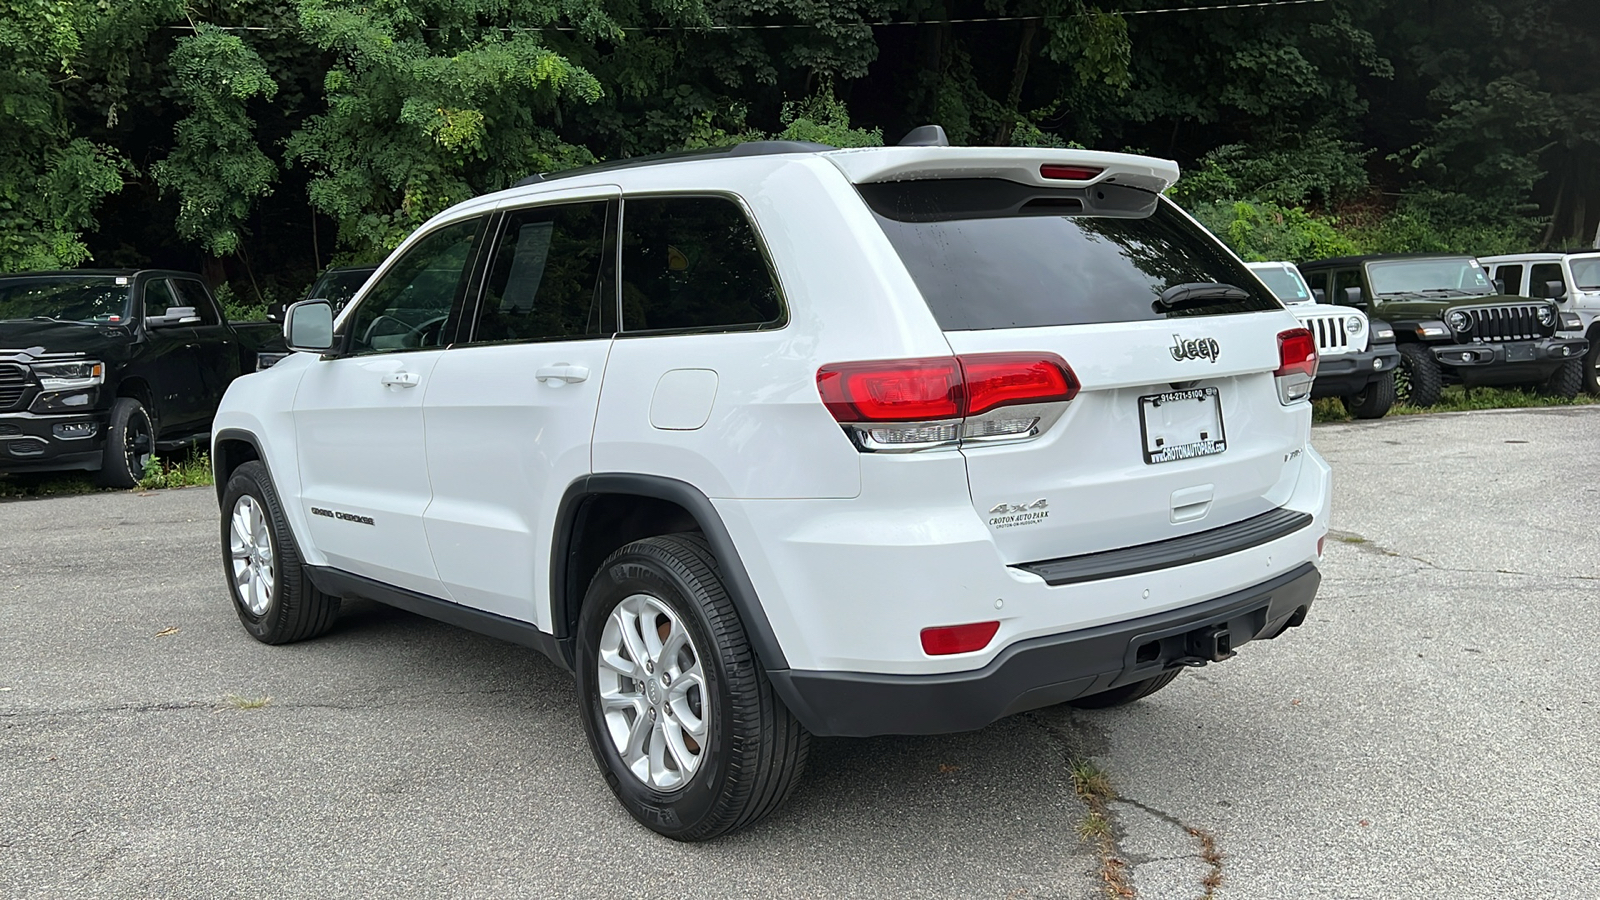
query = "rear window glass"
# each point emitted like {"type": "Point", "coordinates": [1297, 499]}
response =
{"type": "Point", "coordinates": [988, 253]}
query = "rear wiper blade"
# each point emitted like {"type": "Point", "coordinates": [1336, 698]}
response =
{"type": "Point", "coordinates": [1199, 292]}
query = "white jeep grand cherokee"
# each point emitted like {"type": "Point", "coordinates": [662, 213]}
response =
{"type": "Point", "coordinates": [780, 440]}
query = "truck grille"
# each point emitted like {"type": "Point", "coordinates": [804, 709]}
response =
{"type": "Point", "coordinates": [1329, 330]}
{"type": "Point", "coordinates": [1506, 323]}
{"type": "Point", "coordinates": [13, 380]}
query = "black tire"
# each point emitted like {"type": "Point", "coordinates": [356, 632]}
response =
{"type": "Point", "coordinates": [1565, 382]}
{"type": "Point", "coordinates": [1128, 693]}
{"type": "Point", "coordinates": [752, 752]}
{"type": "Point", "coordinates": [1591, 365]}
{"type": "Point", "coordinates": [130, 442]}
{"type": "Point", "coordinates": [294, 609]}
{"type": "Point", "coordinates": [1418, 381]}
{"type": "Point", "coordinates": [1374, 400]}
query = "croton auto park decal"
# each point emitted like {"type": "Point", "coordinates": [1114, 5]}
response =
{"type": "Point", "coordinates": [1016, 515]}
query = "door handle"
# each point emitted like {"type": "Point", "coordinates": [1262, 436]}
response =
{"type": "Point", "coordinates": [402, 379]}
{"type": "Point", "coordinates": [562, 373]}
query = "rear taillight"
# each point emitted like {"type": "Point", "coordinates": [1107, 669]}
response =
{"type": "Point", "coordinates": [919, 404]}
{"type": "Point", "coordinates": [1297, 364]}
{"type": "Point", "coordinates": [1068, 173]}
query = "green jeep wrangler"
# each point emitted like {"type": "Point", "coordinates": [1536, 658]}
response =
{"type": "Point", "coordinates": [1453, 327]}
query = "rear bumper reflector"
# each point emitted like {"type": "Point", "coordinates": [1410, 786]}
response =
{"type": "Point", "coordinates": [1193, 548]}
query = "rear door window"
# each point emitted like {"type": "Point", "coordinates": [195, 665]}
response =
{"type": "Point", "coordinates": [552, 275]}
{"type": "Point", "coordinates": [1508, 279]}
{"type": "Point", "coordinates": [988, 253]}
{"type": "Point", "coordinates": [694, 264]}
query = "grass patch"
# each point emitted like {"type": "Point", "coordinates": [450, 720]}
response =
{"type": "Point", "coordinates": [1455, 398]}
{"type": "Point", "coordinates": [1352, 539]}
{"type": "Point", "coordinates": [1089, 781]}
{"type": "Point", "coordinates": [185, 468]}
{"type": "Point", "coordinates": [238, 702]}
{"type": "Point", "coordinates": [1094, 827]}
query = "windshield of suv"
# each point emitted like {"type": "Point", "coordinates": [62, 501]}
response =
{"type": "Point", "coordinates": [86, 299]}
{"type": "Point", "coordinates": [338, 286]}
{"type": "Point", "coordinates": [1586, 272]}
{"type": "Point", "coordinates": [1285, 283]}
{"type": "Point", "coordinates": [1429, 277]}
{"type": "Point", "coordinates": [989, 253]}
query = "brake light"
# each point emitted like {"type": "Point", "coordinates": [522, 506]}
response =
{"type": "Point", "coordinates": [903, 390]}
{"type": "Point", "coordinates": [1297, 364]}
{"type": "Point", "coordinates": [949, 639]}
{"type": "Point", "coordinates": [917, 404]}
{"type": "Point", "coordinates": [1068, 173]}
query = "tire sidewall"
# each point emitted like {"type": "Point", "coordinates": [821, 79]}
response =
{"type": "Point", "coordinates": [243, 483]}
{"type": "Point", "coordinates": [1591, 378]}
{"type": "Point", "coordinates": [680, 812]}
{"type": "Point", "coordinates": [1423, 373]}
{"type": "Point", "coordinates": [116, 469]}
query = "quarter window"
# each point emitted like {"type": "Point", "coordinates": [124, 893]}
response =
{"type": "Point", "coordinates": [552, 276]}
{"type": "Point", "coordinates": [693, 264]}
{"type": "Point", "coordinates": [410, 306]}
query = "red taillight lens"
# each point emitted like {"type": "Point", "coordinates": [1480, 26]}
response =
{"type": "Point", "coordinates": [1068, 173]}
{"type": "Point", "coordinates": [949, 639]}
{"type": "Point", "coordinates": [1007, 379]}
{"type": "Point", "coordinates": [1297, 353]}
{"type": "Point", "coordinates": [946, 387]}
{"type": "Point", "coordinates": [903, 390]}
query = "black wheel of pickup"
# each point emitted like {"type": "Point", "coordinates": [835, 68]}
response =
{"type": "Point", "coordinates": [1128, 693]}
{"type": "Point", "coordinates": [130, 443]}
{"type": "Point", "coordinates": [1418, 381]}
{"type": "Point", "coordinates": [1591, 365]}
{"type": "Point", "coordinates": [1372, 401]}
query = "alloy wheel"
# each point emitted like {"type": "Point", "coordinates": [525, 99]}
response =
{"type": "Point", "coordinates": [653, 692]}
{"type": "Point", "coordinates": [250, 546]}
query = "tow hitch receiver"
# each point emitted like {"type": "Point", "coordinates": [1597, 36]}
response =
{"type": "Point", "coordinates": [1212, 644]}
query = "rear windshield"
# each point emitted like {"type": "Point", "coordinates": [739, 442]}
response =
{"type": "Point", "coordinates": [989, 253]}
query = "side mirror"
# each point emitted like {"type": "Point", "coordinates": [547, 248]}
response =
{"type": "Point", "coordinates": [275, 312]}
{"type": "Point", "coordinates": [1352, 297]}
{"type": "Point", "coordinates": [308, 326]}
{"type": "Point", "coordinates": [1499, 285]}
{"type": "Point", "coordinates": [1556, 290]}
{"type": "Point", "coordinates": [1320, 295]}
{"type": "Point", "coordinates": [175, 315]}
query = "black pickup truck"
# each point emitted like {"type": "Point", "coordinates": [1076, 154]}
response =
{"type": "Point", "coordinates": [99, 368]}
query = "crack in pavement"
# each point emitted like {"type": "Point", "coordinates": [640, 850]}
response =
{"type": "Point", "coordinates": [1364, 544]}
{"type": "Point", "coordinates": [216, 706]}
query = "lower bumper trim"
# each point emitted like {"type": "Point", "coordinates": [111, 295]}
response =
{"type": "Point", "coordinates": [1041, 671]}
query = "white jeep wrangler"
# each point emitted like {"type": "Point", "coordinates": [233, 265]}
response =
{"type": "Point", "coordinates": [1571, 279]}
{"type": "Point", "coordinates": [1356, 358]}
{"type": "Point", "coordinates": [779, 440]}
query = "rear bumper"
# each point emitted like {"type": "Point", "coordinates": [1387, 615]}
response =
{"type": "Point", "coordinates": [36, 443]}
{"type": "Point", "coordinates": [1042, 671]}
{"type": "Point", "coordinates": [1350, 373]}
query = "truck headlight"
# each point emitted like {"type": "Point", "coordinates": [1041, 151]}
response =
{"type": "Point", "coordinates": [1459, 321]}
{"type": "Point", "coordinates": [1547, 316]}
{"type": "Point", "coordinates": [70, 376]}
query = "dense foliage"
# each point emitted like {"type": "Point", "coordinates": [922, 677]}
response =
{"type": "Point", "coordinates": [258, 140]}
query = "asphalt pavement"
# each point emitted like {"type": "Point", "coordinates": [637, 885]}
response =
{"type": "Point", "coordinates": [1430, 732]}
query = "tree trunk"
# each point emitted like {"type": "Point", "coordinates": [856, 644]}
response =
{"type": "Point", "coordinates": [1019, 76]}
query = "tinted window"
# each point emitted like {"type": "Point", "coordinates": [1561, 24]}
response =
{"type": "Point", "coordinates": [102, 298]}
{"type": "Point", "coordinates": [988, 253]}
{"type": "Point", "coordinates": [338, 286]}
{"type": "Point", "coordinates": [193, 293]}
{"type": "Point", "coordinates": [158, 298]}
{"type": "Point", "coordinates": [1510, 278]}
{"type": "Point", "coordinates": [1343, 280]}
{"type": "Point", "coordinates": [1546, 281]}
{"type": "Point", "coordinates": [693, 263]}
{"type": "Point", "coordinates": [553, 275]}
{"type": "Point", "coordinates": [410, 306]}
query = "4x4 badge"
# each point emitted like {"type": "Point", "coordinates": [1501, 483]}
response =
{"type": "Point", "coordinates": [1199, 348]}
{"type": "Point", "coordinates": [1010, 515]}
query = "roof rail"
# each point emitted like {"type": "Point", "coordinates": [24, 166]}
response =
{"type": "Point", "coordinates": [748, 148]}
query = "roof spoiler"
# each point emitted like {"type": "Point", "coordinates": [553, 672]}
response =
{"type": "Point", "coordinates": [1044, 167]}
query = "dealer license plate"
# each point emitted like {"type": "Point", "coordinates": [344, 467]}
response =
{"type": "Point", "coordinates": [1182, 425]}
